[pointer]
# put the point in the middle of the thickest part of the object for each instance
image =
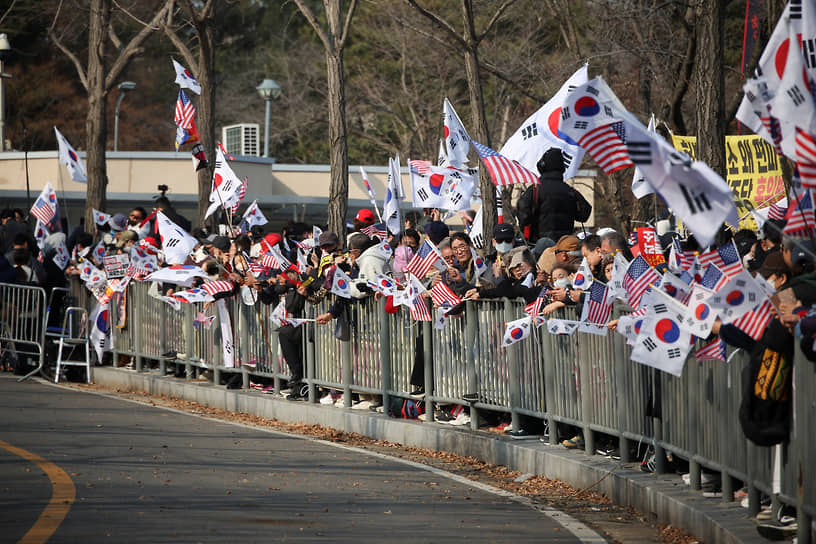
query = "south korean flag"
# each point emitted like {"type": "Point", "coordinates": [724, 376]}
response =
{"type": "Point", "coordinates": [177, 244]}
{"type": "Point", "coordinates": [341, 284]}
{"type": "Point", "coordinates": [583, 278]}
{"type": "Point", "coordinates": [701, 315]}
{"type": "Point", "coordinates": [517, 330]}
{"type": "Point", "coordinates": [663, 342]}
{"type": "Point", "coordinates": [737, 297]}
{"type": "Point", "coordinates": [562, 327]}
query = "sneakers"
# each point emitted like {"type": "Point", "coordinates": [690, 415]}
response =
{"type": "Point", "coordinates": [269, 389]}
{"type": "Point", "coordinates": [418, 393]}
{"type": "Point", "coordinates": [648, 463]}
{"type": "Point", "coordinates": [573, 443]}
{"type": "Point", "coordinates": [258, 386]}
{"type": "Point", "coordinates": [340, 402]}
{"type": "Point", "coordinates": [300, 392]}
{"type": "Point", "coordinates": [470, 397]}
{"type": "Point", "coordinates": [327, 400]}
{"type": "Point", "coordinates": [461, 419]}
{"type": "Point", "coordinates": [363, 405]}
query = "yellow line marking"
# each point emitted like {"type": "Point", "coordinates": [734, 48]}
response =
{"type": "Point", "coordinates": [62, 497]}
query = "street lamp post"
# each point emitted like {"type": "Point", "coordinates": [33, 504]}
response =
{"type": "Point", "coordinates": [123, 87]}
{"type": "Point", "coordinates": [269, 91]}
{"type": "Point", "coordinates": [5, 51]}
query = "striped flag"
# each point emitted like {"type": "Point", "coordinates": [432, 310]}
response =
{"type": "Point", "coordinates": [713, 351]}
{"type": "Point", "coordinates": [502, 170]}
{"type": "Point", "coordinates": [534, 308]}
{"type": "Point", "coordinates": [806, 158]}
{"type": "Point", "coordinates": [185, 111]}
{"type": "Point", "coordinates": [45, 207]}
{"type": "Point", "coordinates": [219, 286]}
{"type": "Point", "coordinates": [598, 305]}
{"type": "Point", "coordinates": [242, 191]}
{"type": "Point", "coordinates": [423, 260]}
{"type": "Point", "coordinates": [730, 259]}
{"type": "Point", "coordinates": [753, 323]}
{"type": "Point", "coordinates": [800, 218]}
{"type": "Point", "coordinates": [441, 295]}
{"type": "Point", "coordinates": [607, 145]}
{"type": "Point", "coordinates": [713, 279]}
{"type": "Point", "coordinates": [639, 276]}
{"type": "Point", "coordinates": [420, 311]}
{"type": "Point", "coordinates": [421, 167]}
{"type": "Point", "coordinates": [778, 210]}
{"type": "Point", "coordinates": [377, 229]}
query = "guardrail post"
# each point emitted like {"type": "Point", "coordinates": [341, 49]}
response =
{"type": "Point", "coordinates": [427, 348]}
{"type": "Point", "coordinates": [513, 371]}
{"type": "Point", "coordinates": [385, 352]}
{"type": "Point", "coordinates": [470, 358]}
{"type": "Point", "coordinates": [138, 322]}
{"type": "Point", "coordinates": [694, 423]}
{"type": "Point", "coordinates": [165, 309]}
{"type": "Point", "coordinates": [310, 337]}
{"type": "Point", "coordinates": [622, 377]}
{"type": "Point", "coordinates": [585, 369]}
{"type": "Point", "coordinates": [804, 522]}
{"type": "Point", "coordinates": [187, 330]}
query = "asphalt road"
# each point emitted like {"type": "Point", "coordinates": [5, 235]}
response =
{"type": "Point", "coordinates": [146, 474]}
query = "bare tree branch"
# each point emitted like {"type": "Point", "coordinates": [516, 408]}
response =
{"type": "Point", "coordinates": [3, 18]}
{"type": "Point", "coordinates": [117, 43]}
{"type": "Point", "coordinates": [441, 23]}
{"type": "Point", "coordinates": [310, 17]}
{"type": "Point", "coordinates": [134, 47]}
{"type": "Point", "coordinates": [83, 78]}
{"type": "Point", "coordinates": [181, 47]}
{"type": "Point", "coordinates": [347, 24]}
{"type": "Point", "coordinates": [495, 19]}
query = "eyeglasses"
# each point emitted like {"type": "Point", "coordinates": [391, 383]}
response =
{"type": "Point", "coordinates": [460, 248]}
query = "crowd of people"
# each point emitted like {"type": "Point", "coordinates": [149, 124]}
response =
{"type": "Point", "coordinates": [537, 256]}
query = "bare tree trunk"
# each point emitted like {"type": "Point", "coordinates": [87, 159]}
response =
{"type": "Point", "coordinates": [710, 85]}
{"type": "Point", "coordinates": [338, 142]}
{"type": "Point", "coordinates": [206, 116]}
{"type": "Point", "coordinates": [96, 120]}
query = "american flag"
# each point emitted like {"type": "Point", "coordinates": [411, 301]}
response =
{"type": "Point", "coordinates": [800, 218]}
{"type": "Point", "coordinates": [420, 167]}
{"type": "Point", "coordinates": [420, 311]}
{"type": "Point", "coordinates": [502, 170]}
{"type": "Point", "coordinates": [534, 308]}
{"type": "Point", "coordinates": [684, 259]}
{"type": "Point", "coordinates": [241, 192]}
{"type": "Point", "coordinates": [639, 276]}
{"type": "Point", "coordinates": [713, 351]}
{"type": "Point", "coordinates": [441, 294]}
{"type": "Point", "coordinates": [43, 210]}
{"type": "Point", "coordinates": [185, 111]}
{"type": "Point", "coordinates": [377, 229]}
{"type": "Point", "coordinates": [425, 258]}
{"type": "Point", "coordinates": [598, 305]}
{"type": "Point", "coordinates": [219, 286]}
{"type": "Point", "coordinates": [713, 278]}
{"type": "Point", "coordinates": [730, 259]}
{"type": "Point", "coordinates": [754, 322]}
{"type": "Point", "coordinates": [258, 269]}
{"type": "Point", "coordinates": [607, 145]}
{"type": "Point", "coordinates": [806, 158]}
{"type": "Point", "coordinates": [777, 212]}
{"type": "Point", "coordinates": [274, 259]}
{"type": "Point", "coordinates": [709, 257]}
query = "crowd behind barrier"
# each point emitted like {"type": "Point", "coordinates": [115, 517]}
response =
{"type": "Point", "coordinates": [584, 380]}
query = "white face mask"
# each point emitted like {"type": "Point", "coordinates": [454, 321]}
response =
{"type": "Point", "coordinates": [504, 247]}
{"type": "Point", "coordinates": [561, 282]}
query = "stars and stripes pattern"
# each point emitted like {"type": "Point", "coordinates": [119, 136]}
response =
{"type": "Point", "coordinates": [377, 229]}
{"type": "Point", "coordinates": [713, 279]}
{"type": "Point", "coordinates": [777, 212]}
{"type": "Point", "coordinates": [185, 111]}
{"type": "Point", "coordinates": [420, 167]}
{"type": "Point", "coordinates": [607, 145]}
{"type": "Point", "coordinates": [730, 259]}
{"type": "Point", "coordinates": [423, 260]}
{"type": "Point", "coordinates": [219, 286]}
{"type": "Point", "coordinates": [638, 277]}
{"type": "Point", "coordinates": [241, 192]}
{"type": "Point", "coordinates": [806, 158]}
{"type": "Point", "coordinates": [713, 351]}
{"type": "Point", "coordinates": [502, 170]}
{"type": "Point", "coordinates": [271, 260]}
{"type": "Point", "coordinates": [534, 308]}
{"type": "Point", "coordinates": [753, 323]}
{"type": "Point", "coordinates": [598, 305]}
{"type": "Point", "coordinates": [441, 294]}
{"type": "Point", "coordinates": [800, 218]}
{"type": "Point", "coordinates": [420, 311]}
{"type": "Point", "coordinates": [43, 211]}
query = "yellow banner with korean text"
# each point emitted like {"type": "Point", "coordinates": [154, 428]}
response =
{"type": "Point", "coordinates": [752, 171]}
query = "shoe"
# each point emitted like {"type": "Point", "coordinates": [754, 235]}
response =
{"type": "Point", "coordinates": [443, 417]}
{"type": "Point", "coordinates": [418, 393]}
{"type": "Point", "coordinates": [648, 463]}
{"type": "Point", "coordinates": [250, 364]}
{"type": "Point", "coordinates": [573, 443]}
{"type": "Point", "coordinates": [461, 419]}
{"type": "Point", "coordinates": [775, 530]}
{"type": "Point", "coordinates": [378, 409]}
{"type": "Point", "coordinates": [295, 395]}
{"type": "Point", "coordinates": [327, 400]}
{"type": "Point", "coordinates": [422, 417]}
{"type": "Point", "coordinates": [362, 405]}
{"type": "Point", "coordinates": [470, 397]}
{"type": "Point", "coordinates": [269, 389]}
{"type": "Point", "coordinates": [340, 402]}
{"type": "Point", "coordinates": [258, 386]}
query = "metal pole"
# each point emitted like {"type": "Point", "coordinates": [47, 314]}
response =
{"type": "Point", "coordinates": [266, 126]}
{"type": "Point", "coordinates": [385, 353]}
{"type": "Point", "coordinates": [116, 121]}
{"type": "Point", "coordinates": [513, 372]}
{"type": "Point", "coordinates": [2, 108]}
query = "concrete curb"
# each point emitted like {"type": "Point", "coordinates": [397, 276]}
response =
{"type": "Point", "coordinates": [663, 498]}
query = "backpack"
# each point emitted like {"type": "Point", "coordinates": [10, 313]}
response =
{"type": "Point", "coordinates": [765, 410]}
{"type": "Point", "coordinates": [583, 209]}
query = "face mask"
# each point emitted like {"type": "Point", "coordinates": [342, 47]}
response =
{"type": "Point", "coordinates": [771, 283]}
{"type": "Point", "coordinates": [199, 255]}
{"type": "Point", "coordinates": [504, 247]}
{"type": "Point", "coordinates": [563, 282]}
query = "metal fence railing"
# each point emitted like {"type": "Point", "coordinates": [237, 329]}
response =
{"type": "Point", "coordinates": [583, 380]}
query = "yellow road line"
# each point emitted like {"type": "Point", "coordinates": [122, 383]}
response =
{"type": "Point", "coordinates": [62, 497]}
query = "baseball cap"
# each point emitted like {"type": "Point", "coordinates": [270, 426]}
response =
{"type": "Point", "coordinates": [437, 231]}
{"type": "Point", "coordinates": [124, 237]}
{"type": "Point", "coordinates": [518, 258]}
{"type": "Point", "coordinates": [365, 216]}
{"type": "Point", "coordinates": [568, 242]}
{"type": "Point", "coordinates": [504, 232]}
{"type": "Point", "coordinates": [222, 243]}
{"type": "Point", "coordinates": [328, 238]}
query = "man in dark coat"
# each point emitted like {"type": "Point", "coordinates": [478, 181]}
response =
{"type": "Point", "coordinates": [551, 208]}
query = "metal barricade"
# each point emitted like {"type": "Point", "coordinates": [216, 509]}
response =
{"type": "Point", "coordinates": [23, 321]}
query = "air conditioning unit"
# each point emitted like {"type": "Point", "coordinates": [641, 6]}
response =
{"type": "Point", "coordinates": [241, 139]}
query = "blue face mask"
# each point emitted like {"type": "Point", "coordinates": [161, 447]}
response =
{"type": "Point", "coordinates": [562, 282]}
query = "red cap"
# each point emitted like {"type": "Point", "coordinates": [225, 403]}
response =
{"type": "Point", "coordinates": [269, 241]}
{"type": "Point", "coordinates": [365, 216]}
